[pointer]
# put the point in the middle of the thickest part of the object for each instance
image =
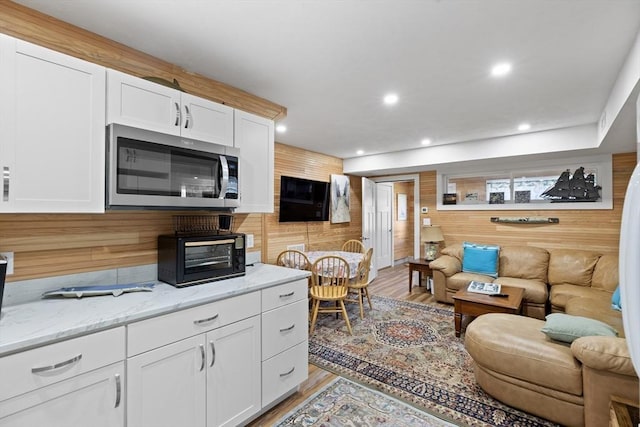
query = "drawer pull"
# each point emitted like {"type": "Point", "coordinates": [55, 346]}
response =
{"type": "Point", "coordinates": [118, 390]}
{"type": "Point", "coordinates": [288, 329]}
{"type": "Point", "coordinates": [202, 356]}
{"type": "Point", "coordinates": [57, 365]}
{"type": "Point", "coordinates": [287, 295]}
{"type": "Point", "coordinates": [288, 373]}
{"type": "Point", "coordinates": [208, 319]}
{"type": "Point", "coordinates": [213, 353]}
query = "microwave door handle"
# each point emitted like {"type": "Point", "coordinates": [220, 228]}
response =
{"type": "Point", "coordinates": [224, 168]}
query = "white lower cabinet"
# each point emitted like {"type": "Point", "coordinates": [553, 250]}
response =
{"type": "Point", "coordinates": [78, 382]}
{"type": "Point", "coordinates": [165, 386]}
{"type": "Point", "coordinates": [209, 379]}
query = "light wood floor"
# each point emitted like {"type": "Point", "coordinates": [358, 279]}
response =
{"type": "Point", "coordinates": [391, 282]}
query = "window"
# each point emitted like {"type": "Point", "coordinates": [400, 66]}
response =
{"type": "Point", "coordinates": [539, 185]}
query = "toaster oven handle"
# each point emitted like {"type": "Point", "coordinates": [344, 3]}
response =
{"type": "Point", "coordinates": [224, 181]}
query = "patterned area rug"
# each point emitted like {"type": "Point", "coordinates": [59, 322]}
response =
{"type": "Point", "coordinates": [345, 403]}
{"type": "Point", "coordinates": [409, 351]}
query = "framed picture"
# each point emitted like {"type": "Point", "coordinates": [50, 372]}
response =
{"type": "Point", "coordinates": [496, 198]}
{"type": "Point", "coordinates": [402, 207]}
{"type": "Point", "coordinates": [340, 199]}
{"type": "Point", "coordinates": [523, 196]}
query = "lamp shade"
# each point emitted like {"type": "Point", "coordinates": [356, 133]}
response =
{"type": "Point", "coordinates": [431, 233]}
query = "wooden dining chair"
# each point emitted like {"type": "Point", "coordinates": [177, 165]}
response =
{"type": "Point", "coordinates": [360, 284]}
{"type": "Point", "coordinates": [293, 259]}
{"type": "Point", "coordinates": [353, 246]}
{"type": "Point", "coordinates": [329, 279]}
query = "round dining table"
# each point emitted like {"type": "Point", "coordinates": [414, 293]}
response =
{"type": "Point", "coordinates": [352, 258]}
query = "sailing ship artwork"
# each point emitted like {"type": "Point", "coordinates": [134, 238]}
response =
{"type": "Point", "coordinates": [573, 188]}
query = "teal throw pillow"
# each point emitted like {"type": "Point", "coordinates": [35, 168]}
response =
{"type": "Point", "coordinates": [566, 328]}
{"type": "Point", "coordinates": [481, 259]}
{"type": "Point", "coordinates": [615, 299]}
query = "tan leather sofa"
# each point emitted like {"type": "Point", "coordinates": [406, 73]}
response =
{"type": "Point", "coordinates": [517, 363]}
{"type": "Point", "coordinates": [568, 384]}
{"type": "Point", "coordinates": [549, 278]}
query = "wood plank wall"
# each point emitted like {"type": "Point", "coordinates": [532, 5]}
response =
{"type": "Point", "coordinates": [403, 230]}
{"type": "Point", "coordinates": [292, 161]}
{"type": "Point", "coordinates": [596, 230]}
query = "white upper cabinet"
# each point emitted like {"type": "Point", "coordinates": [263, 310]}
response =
{"type": "Point", "coordinates": [139, 103]}
{"type": "Point", "coordinates": [255, 139]}
{"type": "Point", "coordinates": [52, 130]}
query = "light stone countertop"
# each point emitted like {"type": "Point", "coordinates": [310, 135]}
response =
{"type": "Point", "coordinates": [45, 321]}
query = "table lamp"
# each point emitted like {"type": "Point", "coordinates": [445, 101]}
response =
{"type": "Point", "coordinates": [431, 236]}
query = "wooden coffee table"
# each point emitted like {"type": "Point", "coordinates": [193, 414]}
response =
{"type": "Point", "coordinates": [474, 304]}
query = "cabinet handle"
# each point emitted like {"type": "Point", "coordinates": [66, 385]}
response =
{"type": "Point", "coordinates": [203, 357]}
{"type": "Point", "coordinates": [177, 123]}
{"type": "Point", "coordinates": [287, 295]}
{"type": "Point", "coordinates": [208, 319]}
{"type": "Point", "coordinates": [118, 390]}
{"type": "Point", "coordinates": [213, 353]}
{"type": "Point", "coordinates": [57, 365]}
{"type": "Point", "coordinates": [188, 117]}
{"type": "Point", "coordinates": [5, 183]}
{"type": "Point", "coordinates": [288, 373]}
{"type": "Point", "coordinates": [288, 329]}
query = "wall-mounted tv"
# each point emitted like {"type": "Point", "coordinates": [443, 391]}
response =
{"type": "Point", "coordinates": [303, 200]}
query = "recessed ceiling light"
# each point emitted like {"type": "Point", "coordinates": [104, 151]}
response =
{"type": "Point", "coordinates": [390, 99]}
{"type": "Point", "coordinates": [426, 141]}
{"type": "Point", "coordinates": [360, 152]}
{"type": "Point", "coordinates": [524, 126]}
{"type": "Point", "coordinates": [501, 69]}
{"type": "Point", "coordinates": [281, 128]}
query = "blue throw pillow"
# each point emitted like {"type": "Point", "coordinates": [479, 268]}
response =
{"type": "Point", "coordinates": [481, 259]}
{"type": "Point", "coordinates": [615, 299]}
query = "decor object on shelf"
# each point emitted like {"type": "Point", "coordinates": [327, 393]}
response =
{"type": "Point", "coordinates": [496, 198]}
{"type": "Point", "coordinates": [573, 188]}
{"type": "Point", "coordinates": [340, 199]}
{"type": "Point", "coordinates": [525, 220]}
{"type": "Point", "coordinates": [523, 196]}
{"type": "Point", "coordinates": [449, 198]}
{"type": "Point", "coordinates": [431, 236]}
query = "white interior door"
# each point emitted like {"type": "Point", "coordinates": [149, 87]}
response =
{"type": "Point", "coordinates": [384, 225]}
{"type": "Point", "coordinates": [369, 221]}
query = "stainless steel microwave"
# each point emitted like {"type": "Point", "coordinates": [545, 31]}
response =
{"type": "Point", "coordinates": [152, 170]}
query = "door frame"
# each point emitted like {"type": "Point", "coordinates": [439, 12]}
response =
{"type": "Point", "coordinates": [416, 205]}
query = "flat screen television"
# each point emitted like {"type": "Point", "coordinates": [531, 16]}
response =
{"type": "Point", "coordinates": [303, 200]}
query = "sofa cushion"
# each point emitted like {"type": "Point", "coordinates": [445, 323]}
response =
{"type": "Point", "coordinates": [513, 345]}
{"type": "Point", "coordinates": [524, 262]}
{"type": "Point", "coordinates": [605, 273]}
{"type": "Point", "coordinates": [535, 291]}
{"type": "Point", "coordinates": [571, 266]}
{"type": "Point", "coordinates": [596, 308]}
{"type": "Point", "coordinates": [560, 295]}
{"type": "Point", "coordinates": [480, 259]}
{"type": "Point", "coordinates": [567, 328]}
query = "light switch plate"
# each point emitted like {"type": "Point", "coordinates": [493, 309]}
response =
{"type": "Point", "coordinates": [426, 221]}
{"type": "Point", "coordinates": [249, 241]}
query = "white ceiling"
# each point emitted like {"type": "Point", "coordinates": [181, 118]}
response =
{"type": "Point", "coordinates": [331, 62]}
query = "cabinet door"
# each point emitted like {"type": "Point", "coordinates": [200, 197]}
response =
{"type": "Point", "coordinates": [206, 120]}
{"type": "Point", "coordinates": [234, 375]}
{"type": "Point", "coordinates": [166, 386]}
{"type": "Point", "coordinates": [52, 135]}
{"type": "Point", "coordinates": [93, 399]}
{"type": "Point", "coordinates": [137, 102]}
{"type": "Point", "coordinates": [254, 137]}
